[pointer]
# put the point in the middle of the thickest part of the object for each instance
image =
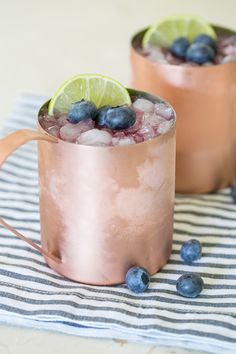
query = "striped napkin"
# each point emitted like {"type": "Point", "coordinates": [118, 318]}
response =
{"type": "Point", "coordinates": [31, 294]}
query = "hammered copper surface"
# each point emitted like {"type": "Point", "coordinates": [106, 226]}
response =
{"type": "Point", "coordinates": [204, 99]}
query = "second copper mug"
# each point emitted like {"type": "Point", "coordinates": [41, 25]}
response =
{"type": "Point", "coordinates": [205, 102]}
{"type": "Point", "coordinates": [102, 209]}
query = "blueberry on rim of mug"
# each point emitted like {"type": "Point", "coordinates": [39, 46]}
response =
{"type": "Point", "coordinates": [115, 118]}
{"type": "Point", "coordinates": [119, 118]}
{"type": "Point", "coordinates": [203, 49]}
{"type": "Point", "coordinates": [81, 110]}
{"type": "Point", "coordinates": [179, 47]}
{"type": "Point", "coordinates": [137, 279]}
{"type": "Point", "coordinates": [207, 40]}
{"type": "Point", "coordinates": [200, 53]}
{"type": "Point", "coordinates": [100, 117]}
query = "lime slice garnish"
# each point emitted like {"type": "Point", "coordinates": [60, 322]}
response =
{"type": "Point", "coordinates": [163, 33]}
{"type": "Point", "coordinates": [99, 89]}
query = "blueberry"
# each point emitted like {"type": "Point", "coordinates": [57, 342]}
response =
{"type": "Point", "coordinates": [233, 192]}
{"type": "Point", "coordinates": [179, 47]}
{"type": "Point", "coordinates": [81, 110]}
{"type": "Point", "coordinates": [120, 118]}
{"type": "Point", "coordinates": [100, 117]}
{"type": "Point", "coordinates": [191, 251]}
{"type": "Point", "coordinates": [189, 285]}
{"type": "Point", "coordinates": [137, 279]}
{"type": "Point", "coordinates": [200, 53]}
{"type": "Point", "coordinates": [205, 39]}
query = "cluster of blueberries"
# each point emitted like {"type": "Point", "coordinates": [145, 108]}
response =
{"type": "Point", "coordinates": [188, 285]}
{"type": "Point", "coordinates": [115, 118]}
{"type": "Point", "coordinates": [203, 49]}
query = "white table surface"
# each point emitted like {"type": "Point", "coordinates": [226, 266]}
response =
{"type": "Point", "coordinates": [44, 42]}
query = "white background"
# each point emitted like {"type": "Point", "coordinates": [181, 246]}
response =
{"type": "Point", "coordinates": [44, 42]}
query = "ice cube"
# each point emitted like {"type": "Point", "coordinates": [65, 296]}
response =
{"type": "Point", "coordinates": [164, 110]}
{"type": "Point", "coordinates": [171, 59]}
{"type": "Point", "coordinates": [47, 121]}
{"type": "Point", "coordinates": [228, 59]}
{"type": "Point", "coordinates": [128, 140]}
{"type": "Point", "coordinates": [219, 58]}
{"type": "Point", "coordinates": [229, 50]}
{"type": "Point", "coordinates": [115, 141]}
{"type": "Point", "coordinates": [119, 135]}
{"type": "Point", "coordinates": [153, 119]}
{"type": "Point", "coordinates": [137, 125]}
{"type": "Point", "coordinates": [70, 132]}
{"type": "Point", "coordinates": [95, 137]}
{"type": "Point", "coordinates": [155, 54]}
{"type": "Point", "coordinates": [143, 105]}
{"type": "Point", "coordinates": [208, 63]}
{"type": "Point", "coordinates": [224, 41]}
{"type": "Point", "coordinates": [54, 130]}
{"type": "Point", "coordinates": [62, 120]}
{"type": "Point", "coordinates": [147, 132]}
{"type": "Point", "coordinates": [138, 138]}
{"type": "Point", "coordinates": [165, 126]}
{"type": "Point", "coordinates": [227, 45]}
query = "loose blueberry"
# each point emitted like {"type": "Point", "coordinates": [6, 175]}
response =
{"type": "Point", "coordinates": [81, 110]}
{"type": "Point", "coordinates": [233, 192]}
{"type": "Point", "coordinates": [191, 251]}
{"type": "Point", "coordinates": [200, 53]}
{"type": "Point", "coordinates": [137, 279]}
{"type": "Point", "coordinates": [120, 118]}
{"type": "Point", "coordinates": [189, 285]}
{"type": "Point", "coordinates": [100, 117]}
{"type": "Point", "coordinates": [179, 47]}
{"type": "Point", "coordinates": [205, 39]}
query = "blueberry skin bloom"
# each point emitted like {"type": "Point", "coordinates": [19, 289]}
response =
{"type": "Point", "coordinates": [200, 53]}
{"type": "Point", "coordinates": [120, 118]}
{"type": "Point", "coordinates": [189, 285]}
{"type": "Point", "coordinates": [179, 47]}
{"type": "Point", "coordinates": [137, 279]}
{"type": "Point", "coordinates": [81, 110]}
{"type": "Point", "coordinates": [100, 117]}
{"type": "Point", "coordinates": [191, 251]}
{"type": "Point", "coordinates": [205, 39]}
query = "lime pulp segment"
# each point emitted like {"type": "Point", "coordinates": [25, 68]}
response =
{"type": "Point", "coordinates": [99, 89]}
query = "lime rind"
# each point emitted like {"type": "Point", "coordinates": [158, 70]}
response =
{"type": "Point", "coordinates": [97, 88]}
{"type": "Point", "coordinates": [165, 32]}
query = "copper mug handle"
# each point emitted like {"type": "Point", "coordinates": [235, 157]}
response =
{"type": "Point", "coordinates": [7, 146]}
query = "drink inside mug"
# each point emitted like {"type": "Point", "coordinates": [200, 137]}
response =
{"type": "Point", "coordinates": [150, 118]}
{"type": "Point", "coordinates": [107, 198]}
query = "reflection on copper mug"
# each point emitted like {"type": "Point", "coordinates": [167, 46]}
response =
{"type": "Point", "coordinates": [204, 99]}
{"type": "Point", "coordinates": [102, 209]}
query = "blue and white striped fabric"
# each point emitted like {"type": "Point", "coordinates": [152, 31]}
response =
{"type": "Point", "coordinates": [31, 294]}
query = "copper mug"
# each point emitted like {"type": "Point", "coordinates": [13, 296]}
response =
{"type": "Point", "coordinates": [204, 99]}
{"type": "Point", "coordinates": [102, 209]}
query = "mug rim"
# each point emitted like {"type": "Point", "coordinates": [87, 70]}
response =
{"type": "Point", "coordinates": [133, 92]}
{"type": "Point", "coordinates": [136, 41]}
